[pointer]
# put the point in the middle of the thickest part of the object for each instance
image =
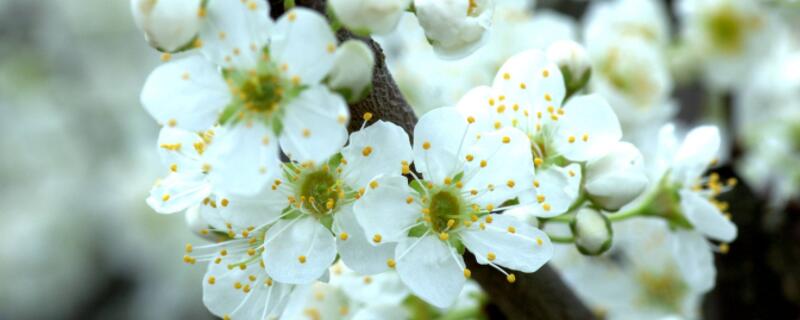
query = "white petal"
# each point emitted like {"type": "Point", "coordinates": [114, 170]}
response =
{"type": "Point", "coordinates": [698, 150]}
{"type": "Point", "coordinates": [525, 249]}
{"type": "Point", "coordinates": [291, 241]}
{"type": "Point", "coordinates": [501, 166]}
{"type": "Point", "coordinates": [189, 93]}
{"type": "Point", "coordinates": [444, 132]}
{"type": "Point", "coordinates": [696, 260]}
{"type": "Point", "coordinates": [356, 251]}
{"type": "Point", "coordinates": [431, 269]}
{"type": "Point", "coordinates": [385, 312]}
{"type": "Point", "coordinates": [385, 211]}
{"type": "Point", "coordinates": [554, 192]}
{"type": "Point", "coordinates": [176, 147]}
{"type": "Point", "coordinates": [243, 158]}
{"type": "Point", "coordinates": [222, 298]}
{"type": "Point", "coordinates": [376, 150]}
{"type": "Point", "coordinates": [233, 33]}
{"type": "Point", "coordinates": [178, 191]}
{"type": "Point", "coordinates": [481, 105]}
{"type": "Point", "coordinates": [706, 218]}
{"type": "Point", "coordinates": [587, 128]}
{"type": "Point", "coordinates": [244, 212]}
{"type": "Point", "coordinates": [304, 41]}
{"type": "Point", "coordinates": [314, 126]}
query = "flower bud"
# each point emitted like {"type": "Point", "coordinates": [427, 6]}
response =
{"type": "Point", "coordinates": [369, 16]}
{"type": "Point", "coordinates": [617, 178]}
{"type": "Point", "coordinates": [572, 59]}
{"type": "Point", "coordinates": [455, 28]}
{"type": "Point", "coordinates": [351, 74]}
{"type": "Point", "coordinates": [168, 25]}
{"type": "Point", "coordinates": [592, 231]}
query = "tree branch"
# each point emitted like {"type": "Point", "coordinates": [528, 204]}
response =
{"type": "Point", "coordinates": [540, 295]}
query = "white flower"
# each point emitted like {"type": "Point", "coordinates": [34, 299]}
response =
{"type": "Point", "coordinates": [464, 180]}
{"type": "Point", "coordinates": [528, 94]}
{"type": "Point", "coordinates": [200, 166]}
{"type": "Point", "coordinates": [573, 61]}
{"type": "Point", "coordinates": [307, 212]}
{"type": "Point", "coordinates": [643, 19]}
{"type": "Point", "coordinates": [369, 16]}
{"type": "Point", "coordinates": [455, 28]}
{"type": "Point", "coordinates": [351, 74]}
{"type": "Point", "coordinates": [730, 36]}
{"type": "Point", "coordinates": [167, 24]}
{"type": "Point", "coordinates": [592, 231]}
{"type": "Point", "coordinates": [257, 75]}
{"type": "Point", "coordinates": [617, 178]}
{"type": "Point", "coordinates": [650, 272]}
{"type": "Point", "coordinates": [684, 166]}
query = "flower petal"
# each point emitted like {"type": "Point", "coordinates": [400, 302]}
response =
{"type": "Point", "coordinates": [355, 249]}
{"type": "Point", "coordinates": [385, 211]}
{"type": "Point", "coordinates": [298, 251]}
{"type": "Point", "coordinates": [188, 93]}
{"type": "Point", "coordinates": [314, 126]}
{"type": "Point", "coordinates": [247, 212]}
{"type": "Point", "coordinates": [305, 43]}
{"type": "Point", "coordinates": [175, 148]}
{"type": "Point", "coordinates": [706, 218]}
{"type": "Point", "coordinates": [551, 194]}
{"type": "Point", "coordinates": [243, 158]}
{"type": "Point", "coordinates": [233, 33]}
{"type": "Point", "coordinates": [696, 260]}
{"type": "Point", "coordinates": [431, 269]}
{"type": "Point", "coordinates": [530, 80]}
{"type": "Point", "coordinates": [222, 297]}
{"type": "Point", "coordinates": [178, 191]}
{"type": "Point", "coordinates": [511, 243]}
{"type": "Point", "coordinates": [440, 142]}
{"type": "Point", "coordinates": [376, 150]}
{"type": "Point", "coordinates": [587, 128]}
{"type": "Point", "coordinates": [696, 153]}
{"type": "Point", "coordinates": [501, 166]}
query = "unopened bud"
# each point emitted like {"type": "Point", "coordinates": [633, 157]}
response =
{"type": "Point", "coordinates": [168, 25]}
{"type": "Point", "coordinates": [573, 61]}
{"type": "Point", "coordinates": [369, 16]}
{"type": "Point", "coordinates": [351, 74]}
{"type": "Point", "coordinates": [617, 178]}
{"type": "Point", "coordinates": [455, 28]}
{"type": "Point", "coordinates": [592, 231]}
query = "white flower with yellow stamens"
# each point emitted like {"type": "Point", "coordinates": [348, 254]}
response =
{"type": "Point", "coordinates": [681, 168]}
{"type": "Point", "coordinates": [464, 179]}
{"type": "Point", "coordinates": [256, 73]}
{"type": "Point", "coordinates": [307, 212]}
{"type": "Point", "coordinates": [200, 166]}
{"type": "Point", "coordinates": [528, 94]}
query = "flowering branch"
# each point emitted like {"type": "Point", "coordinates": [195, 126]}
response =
{"type": "Point", "coordinates": [543, 292]}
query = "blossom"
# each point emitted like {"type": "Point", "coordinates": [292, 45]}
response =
{"type": "Point", "coordinates": [464, 180]}
{"type": "Point", "coordinates": [307, 212]}
{"type": "Point", "coordinates": [681, 167]}
{"type": "Point", "coordinates": [528, 93]}
{"type": "Point", "coordinates": [646, 20]}
{"type": "Point", "coordinates": [257, 74]}
{"type": "Point", "coordinates": [573, 61]}
{"type": "Point", "coordinates": [167, 24]}
{"type": "Point", "coordinates": [592, 231]}
{"type": "Point", "coordinates": [455, 28]}
{"type": "Point", "coordinates": [369, 16]}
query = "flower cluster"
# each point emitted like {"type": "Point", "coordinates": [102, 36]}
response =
{"type": "Point", "coordinates": [257, 153]}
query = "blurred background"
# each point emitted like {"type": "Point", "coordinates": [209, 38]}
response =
{"type": "Point", "coordinates": [78, 157]}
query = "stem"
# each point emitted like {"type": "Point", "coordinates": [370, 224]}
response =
{"type": "Point", "coordinates": [288, 4]}
{"type": "Point", "coordinates": [558, 239]}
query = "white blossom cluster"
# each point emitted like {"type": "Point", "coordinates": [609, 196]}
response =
{"type": "Point", "coordinates": [308, 220]}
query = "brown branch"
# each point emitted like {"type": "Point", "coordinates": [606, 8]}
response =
{"type": "Point", "coordinates": [539, 295]}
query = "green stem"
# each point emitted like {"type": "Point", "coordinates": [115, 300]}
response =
{"type": "Point", "coordinates": [558, 239]}
{"type": "Point", "coordinates": [288, 4]}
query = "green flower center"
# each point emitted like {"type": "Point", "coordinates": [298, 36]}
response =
{"type": "Point", "coordinates": [260, 94]}
{"type": "Point", "coordinates": [445, 205]}
{"type": "Point", "coordinates": [664, 290]}
{"type": "Point", "coordinates": [319, 191]}
{"type": "Point", "coordinates": [727, 27]}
